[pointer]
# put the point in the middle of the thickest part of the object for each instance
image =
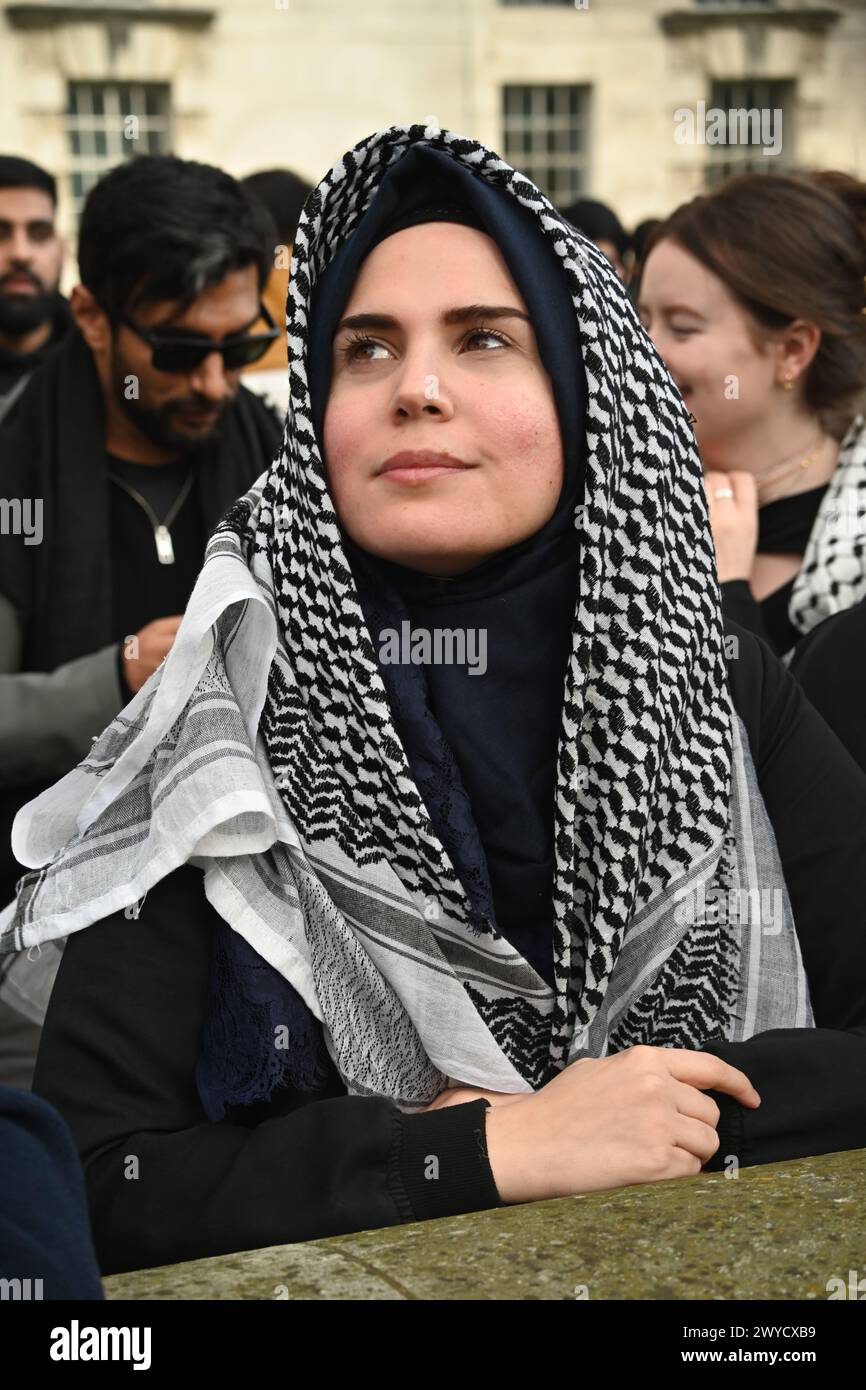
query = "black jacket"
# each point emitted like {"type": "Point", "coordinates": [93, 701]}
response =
{"type": "Point", "coordinates": [53, 450]}
{"type": "Point", "coordinates": [123, 1033]}
{"type": "Point", "coordinates": [830, 664]}
{"type": "Point", "coordinates": [16, 368]}
{"type": "Point", "coordinates": [66, 603]}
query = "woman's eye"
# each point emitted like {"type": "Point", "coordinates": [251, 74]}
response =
{"type": "Point", "coordinates": [355, 350]}
{"type": "Point", "coordinates": [499, 338]}
{"type": "Point", "coordinates": [351, 349]}
{"type": "Point", "coordinates": [682, 332]}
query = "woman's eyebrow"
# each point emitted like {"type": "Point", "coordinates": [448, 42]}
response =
{"type": "Point", "coordinates": [682, 309]}
{"type": "Point", "coordinates": [465, 314]}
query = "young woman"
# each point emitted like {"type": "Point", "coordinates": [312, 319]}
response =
{"type": "Point", "coordinates": [454, 855]}
{"type": "Point", "coordinates": [754, 295]}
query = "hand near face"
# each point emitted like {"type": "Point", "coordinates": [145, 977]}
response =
{"type": "Point", "coordinates": [734, 522]}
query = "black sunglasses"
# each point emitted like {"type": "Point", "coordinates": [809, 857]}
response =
{"type": "Point", "coordinates": [176, 354]}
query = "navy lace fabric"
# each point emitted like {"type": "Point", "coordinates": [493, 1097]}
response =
{"type": "Point", "coordinates": [259, 1034]}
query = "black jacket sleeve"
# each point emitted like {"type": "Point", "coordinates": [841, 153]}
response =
{"type": "Point", "coordinates": [117, 1059]}
{"type": "Point", "coordinates": [830, 664]}
{"type": "Point", "coordinates": [812, 1082]}
{"type": "Point", "coordinates": [740, 607]}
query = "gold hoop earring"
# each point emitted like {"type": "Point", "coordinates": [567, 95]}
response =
{"type": "Point", "coordinates": [788, 383]}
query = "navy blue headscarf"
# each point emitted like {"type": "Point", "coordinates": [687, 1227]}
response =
{"type": "Point", "coordinates": [482, 748]}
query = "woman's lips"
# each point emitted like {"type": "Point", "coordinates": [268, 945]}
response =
{"type": "Point", "coordinates": [416, 466]}
{"type": "Point", "coordinates": [418, 475]}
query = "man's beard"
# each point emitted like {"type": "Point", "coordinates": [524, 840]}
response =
{"type": "Point", "coordinates": [161, 424]}
{"type": "Point", "coordinates": [21, 313]}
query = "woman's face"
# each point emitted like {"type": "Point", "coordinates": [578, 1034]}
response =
{"type": "Point", "coordinates": [703, 334]}
{"type": "Point", "coordinates": [443, 360]}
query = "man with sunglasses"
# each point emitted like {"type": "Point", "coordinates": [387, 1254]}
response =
{"type": "Point", "coordinates": [125, 450]}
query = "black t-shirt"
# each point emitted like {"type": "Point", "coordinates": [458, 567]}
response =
{"type": "Point", "coordinates": [143, 588]}
{"type": "Point", "coordinates": [784, 528]}
{"type": "Point", "coordinates": [124, 1029]}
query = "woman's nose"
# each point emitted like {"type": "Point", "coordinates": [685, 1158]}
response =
{"type": "Point", "coordinates": [422, 390]}
{"type": "Point", "coordinates": [661, 340]}
{"type": "Point", "coordinates": [653, 330]}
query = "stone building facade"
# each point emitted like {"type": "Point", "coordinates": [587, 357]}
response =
{"type": "Point", "coordinates": [584, 95]}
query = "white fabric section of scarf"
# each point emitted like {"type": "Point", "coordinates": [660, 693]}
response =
{"type": "Point", "coordinates": [263, 751]}
{"type": "Point", "coordinates": [832, 576]}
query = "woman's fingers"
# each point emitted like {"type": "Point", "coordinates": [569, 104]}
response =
{"type": "Point", "coordinates": [732, 499]}
{"type": "Point", "coordinates": [745, 491]}
{"type": "Point", "coordinates": [696, 1137]}
{"type": "Point", "coordinates": [736, 491]}
{"type": "Point", "coordinates": [709, 1073]}
{"type": "Point", "coordinates": [692, 1102]}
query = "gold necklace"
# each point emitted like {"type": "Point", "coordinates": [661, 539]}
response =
{"type": "Point", "coordinates": [763, 480]}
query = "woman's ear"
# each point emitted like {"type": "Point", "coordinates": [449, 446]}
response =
{"type": "Point", "coordinates": [796, 347]}
{"type": "Point", "coordinates": [93, 322]}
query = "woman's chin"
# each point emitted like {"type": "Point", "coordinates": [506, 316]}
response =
{"type": "Point", "coordinates": [444, 548]}
{"type": "Point", "coordinates": [445, 559]}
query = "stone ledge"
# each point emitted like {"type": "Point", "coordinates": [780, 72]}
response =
{"type": "Point", "coordinates": [777, 1231]}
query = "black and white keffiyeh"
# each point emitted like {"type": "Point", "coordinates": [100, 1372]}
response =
{"type": "Point", "coordinates": [264, 752]}
{"type": "Point", "coordinates": [832, 576]}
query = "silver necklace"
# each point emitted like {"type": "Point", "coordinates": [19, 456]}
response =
{"type": "Point", "coordinates": [161, 533]}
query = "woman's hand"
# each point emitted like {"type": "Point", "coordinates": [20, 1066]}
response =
{"type": "Point", "coordinates": [734, 522]}
{"type": "Point", "coordinates": [635, 1117]}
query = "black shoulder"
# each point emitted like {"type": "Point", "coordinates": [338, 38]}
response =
{"type": "Point", "coordinates": [839, 642]}
{"type": "Point", "coordinates": [767, 697]}
{"type": "Point", "coordinates": [268, 421]}
{"type": "Point", "coordinates": [830, 665]}
{"type": "Point", "coordinates": [745, 656]}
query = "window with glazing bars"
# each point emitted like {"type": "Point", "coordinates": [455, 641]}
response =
{"type": "Point", "coordinates": [546, 136]}
{"type": "Point", "coordinates": [747, 157]}
{"type": "Point", "coordinates": [110, 121]}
